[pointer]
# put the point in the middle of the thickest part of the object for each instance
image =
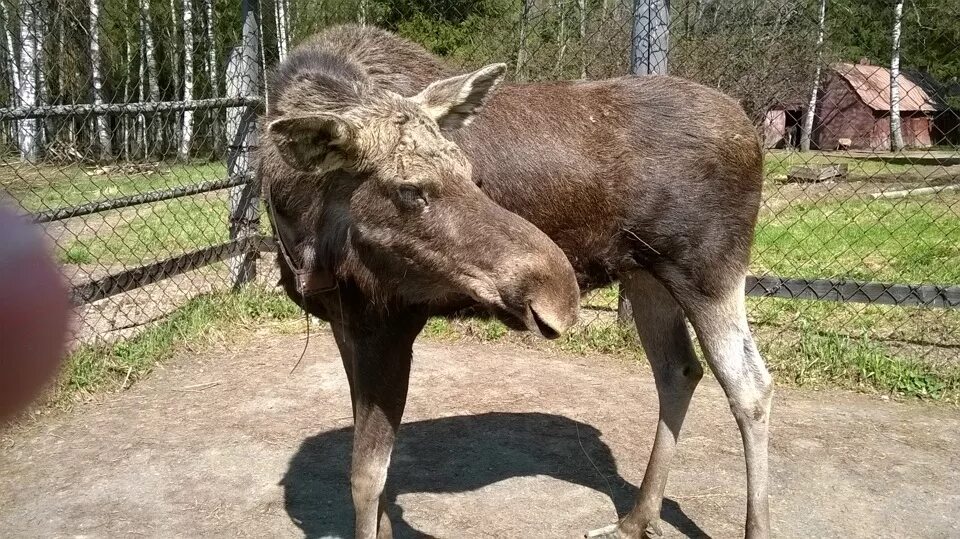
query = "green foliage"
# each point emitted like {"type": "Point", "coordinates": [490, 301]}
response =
{"type": "Point", "coordinates": [202, 319]}
{"type": "Point", "coordinates": [819, 359]}
{"type": "Point", "coordinates": [897, 240]}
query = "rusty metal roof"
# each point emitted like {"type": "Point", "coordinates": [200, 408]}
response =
{"type": "Point", "coordinates": [872, 84]}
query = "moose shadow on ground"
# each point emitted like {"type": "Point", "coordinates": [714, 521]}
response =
{"type": "Point", "coordinates": [458, 454]}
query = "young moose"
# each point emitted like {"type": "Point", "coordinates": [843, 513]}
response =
{"type": "Point", "coordinates": [396, 198]}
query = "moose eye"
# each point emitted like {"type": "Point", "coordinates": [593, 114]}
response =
{"type": "Point", "coordinates": [412, 197]}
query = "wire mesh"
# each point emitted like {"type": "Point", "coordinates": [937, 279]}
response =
{"type": "Point", "coordinates": [850, 194]}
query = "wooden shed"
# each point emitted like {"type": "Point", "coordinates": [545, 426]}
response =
{"type": "Point", "coordinates": [854, 108]}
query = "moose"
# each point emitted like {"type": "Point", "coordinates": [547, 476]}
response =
{"type": "Point", "coordinates": [400, 188]}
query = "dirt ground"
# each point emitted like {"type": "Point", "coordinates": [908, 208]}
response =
{"type": "Point", "coordinates": [498, 441]}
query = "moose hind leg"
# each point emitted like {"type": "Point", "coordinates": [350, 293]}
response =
{"type": "Point", "coordinates": [676, 371]}
{"type": "Point", "coordinates": [721, 326]}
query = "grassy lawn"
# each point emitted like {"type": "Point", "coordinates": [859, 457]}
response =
{"type": "Point", "coordinates": [41, 188]}
{"type": "Point", "coordinates": [911, 240]}
{"type": "Point", "coordinates": [155, 232]}
{"type": "Point", "coordinates": [778, 163]}
{"type": "Point", "coordinates": [133, 235]}
{"type": "Point", "coordinates": [204, 319]}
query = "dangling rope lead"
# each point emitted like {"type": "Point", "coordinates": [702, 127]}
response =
{"type": "Point", "coordinates": [308, 281]}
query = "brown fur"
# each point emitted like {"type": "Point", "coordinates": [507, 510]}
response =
{"type": "Point", "coordinates": [653, 178]}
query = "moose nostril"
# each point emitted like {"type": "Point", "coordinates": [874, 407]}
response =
{"type": "Point", "coordinates": [543, 327]}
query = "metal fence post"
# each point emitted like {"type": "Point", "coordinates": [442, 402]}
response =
{"type": "Point", "coordinates": [242, 80]}
{"type": "Point", "coordinates": [650, 39]}
{"type": "Point", "coordinates": [649, 46]}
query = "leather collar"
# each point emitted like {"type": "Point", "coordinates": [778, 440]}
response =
{"type": "Point", "coordinates": [309, 282]}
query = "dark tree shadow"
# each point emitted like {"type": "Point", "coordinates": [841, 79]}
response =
{"type": "Point", "coordinates": [457, 454]}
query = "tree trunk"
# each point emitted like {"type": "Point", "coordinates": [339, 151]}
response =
{"type": "Point", "coordinates": [807, 134]}
{"type": "Point", "coordinates": [528, 6]}
{"type": "Point", "coordinates": [214, 77]}
{"type": "Point", "coordinates": [149, 55]}
{"type": "Point", "coordinates": [896, 130]}
{"type": "Point", "coordinates": [142, 138]}
{"type": "Point", "coordinates": [187, 133]}
{"type": "Point", "coordinates": [14, 65]}
{"type": "Point", "coordinates": [27, 91]}
{"type": "Point", "coordinates": [582, 8]}
{"type": "Point", "coordinates": [42, 90]}
{"type": "Point", "coordinates": [128, 60]}
{"type": "Point", "coordinates": [96, 71]}
{"type": "Point", "coordinates": [175, 73]}
{"type": "Point", "coordinates": [561, 35]}
{"type": "Point", "coordinates": [282, 40]}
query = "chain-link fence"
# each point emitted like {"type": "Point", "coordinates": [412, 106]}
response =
{"type": "Point", "coordinates": [857, 103]}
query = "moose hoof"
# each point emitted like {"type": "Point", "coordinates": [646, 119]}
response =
{"type": "Point", "coordinates": [607, 532]}
{"type": "Point", "coordinates": [615, 531]}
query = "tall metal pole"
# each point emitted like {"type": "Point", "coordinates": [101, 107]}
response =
{"type": "Point", "coordinates": [243, 80]}
{"type": "Point", "coordinates": [650, 39]}
{"type": "Point", "coordinates": [649, 47]}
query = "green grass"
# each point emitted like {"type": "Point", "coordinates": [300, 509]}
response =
{"type": "Point", "coordinates": [39, 188]}
{"type": "Point", "coordinates": [157, 231]}
{"type": "Point", "coordinates": [777, 164]}
{"type": "Point", "coordinates": [202, 320]}
{"type": "Point", "coordinates": [900, 240]}
{"type": "Point", "coordinates": [802, 358]}
{"type": "Point", "coordinates": [132, 235]}
{"type": "Point", "coordinates": [812, 359]}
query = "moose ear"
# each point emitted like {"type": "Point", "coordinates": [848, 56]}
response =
{"type": "Point", "coordinates": [453, 102]}
{"type": "Point", "coordinates": [314, 143]}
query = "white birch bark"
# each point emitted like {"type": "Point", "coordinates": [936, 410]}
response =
{"type": "Point", "coordinates": [141, 127]}
{"type": "Point", "coordinates": [149, 53]}
{"type": "Point", "coordinates": [896, 128]}
{"type": "Point", "coordinates": [561, 35]}
{"type": "Point", "coordinates": [582, 8]}
{"type": "Point", "coordinates": [213, 76]}
{"type": "Point", "coordinates": [128, 127]}
{"type": "Point", "coordinates": [174, 55]}
{"type": "Point", "coordinates": [807, 134]}
{"type": "Point", "coordinates": [27, 91]}
{"type": "Point", "coordinates": [283, 39]}
{"type": "Point", "coordinates": [186, 133]}
{"type": "Point", "coordinates": [14, 67]}
{"type": "Point", "coordinates": [96, 71]}
{"type": "Point", "coordinates": [42, 90]}
{"type": "Point", "coordinates": [528, 6]}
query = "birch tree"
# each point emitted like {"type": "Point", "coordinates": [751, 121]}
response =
{"type": "Point", "coordinates": [186, 132]}
{"type": "Point", "coordinates": [13, 65]}
{"type": "Point", "coordinates": [96, 75]}
{"type": "Point", "coordinates": [283, 38]}
{"type": "Point", "coordinates": [174, 56]}
{"type": "Point", "coordinates": [148, 52]}
{"type": "Point", "coordinates": [27, 138]}
{"type": "Point", "coordinates": [896, 131]}
{"type": "Point", "coordinates": [213, 76]}
{"type": "Point", "coordinates": [582, 8]}
{"type": "Point", "coordinates": [141, 127]}
{"type": "Point", "coordinates": [808, 116]}
{"type": "Point", "coordinates": [42, 91]}
{"type": "Point", "coordinates": [528, 6]}
{"type": "Point", "coordinates": [128, 128]}
{"type": "Point", "coordinates": [561, 35]}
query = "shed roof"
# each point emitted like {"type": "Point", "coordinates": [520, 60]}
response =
{"type": "Point", "coordinates": [872, 84]}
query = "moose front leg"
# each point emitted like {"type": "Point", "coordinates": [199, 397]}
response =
{"type": "Point", "coordinates": [376, 355]}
